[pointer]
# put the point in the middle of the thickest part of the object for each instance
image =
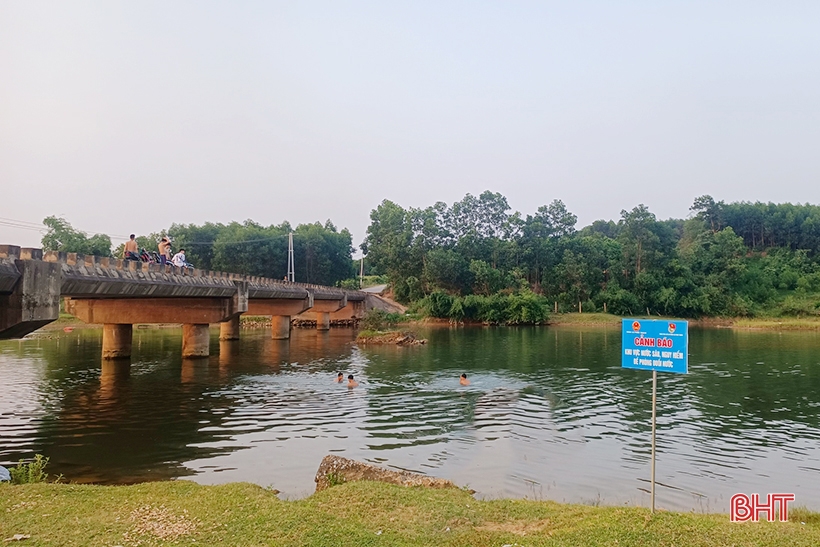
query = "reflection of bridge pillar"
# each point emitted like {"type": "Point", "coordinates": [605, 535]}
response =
{"type": "Point", "coordinates": [276, 353]}
{"type": "Point", "coordinates": [116, 342]}
{"type": "Point", "coordinates": [280, 327]}
{"type": "Point", "coordinates": [228, 352]}
{"type": "Point", "coordinates": [113, 376]}
{"type": "Point", "coordinates": [229, 330]}
{"type": "Point", "coordinates": [323, 321]}
{"type": "Point", "coordinates": [196, 340]}
{"type": "Point", "coordinates": [194, 370]}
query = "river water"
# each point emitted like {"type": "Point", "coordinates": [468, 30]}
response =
{"type": "Point", "coordinates": [549, 413]}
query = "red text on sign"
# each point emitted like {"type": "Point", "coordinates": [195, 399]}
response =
{"type": "Point", "coordinates": [743, 507]}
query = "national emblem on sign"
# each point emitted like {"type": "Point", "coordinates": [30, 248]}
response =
{"type": "Point", "coordinates": [636, 326]}
{"type": "Point", "coordinates": [671, 328]}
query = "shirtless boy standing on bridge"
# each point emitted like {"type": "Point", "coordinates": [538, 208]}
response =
{"type": "Point", "coordinates": [164, 250]}
{"type": "Point", "coordinates": [130, 247]}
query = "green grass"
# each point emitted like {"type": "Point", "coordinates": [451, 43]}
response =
{"type": "Point", "coordinates": [584, 319]}
{"type": "Point", "coordinates": [356, 514]}
{"type": "Point", "coordinates": [775, 323]}
{"type": "Point", "coordinates": [764, 323]}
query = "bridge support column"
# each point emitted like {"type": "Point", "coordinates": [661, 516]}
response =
{"type": "Point", "coordinates": [280, 327]}
{"type": "Point", "coordinates": [229, 330]}
{"type": "Point", "coordinates": [116, 342]}
{"type": "Point", "coordinates": [323, 321]}
{"type": "Point", "coordinates": [196, 340]}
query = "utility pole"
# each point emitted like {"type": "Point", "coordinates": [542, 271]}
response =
{"type": "Point", "coordinates": [291, 274]}
{"type": "Point", "coordinates": [361, 272]}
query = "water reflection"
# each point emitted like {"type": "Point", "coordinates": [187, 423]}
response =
{"type": "Point", "coordinates": [549, 412]}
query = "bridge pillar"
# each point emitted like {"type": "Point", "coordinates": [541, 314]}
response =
{"type": "Point", "coordinates": [229, 330]}
{"type": "Point", "coordinates": [196, 340]}
{"type": "Point", "coordinates": [280, 327]}
{"type": "Point", "coordinates": [323, 321]}
{"type": "Point", "coordinates": [116, 342]}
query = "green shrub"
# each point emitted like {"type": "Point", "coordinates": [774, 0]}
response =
{"type": "Point", "coordinates": [439, 304]}
{"type": "Point", "coordinates": [526, 308]}
{"type": "Point", "coordinates": [335, 479]}
{"type": "Point", "coordinates": [379, 320]}
{"type": "Point", "coordinates": [350, 284]}
{"type": "Point", "coordinates": [523, 308]}
{"type": "Point", "coordinates": [27, 473]}
{"type": "Point", "coordinates": [793, 305]}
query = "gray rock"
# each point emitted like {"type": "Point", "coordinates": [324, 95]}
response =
{"type": "Point", "coordinates": [335, 470]}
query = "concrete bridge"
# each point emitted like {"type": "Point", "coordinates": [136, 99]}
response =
{"type": "Point", "coordinates": [119, 293]}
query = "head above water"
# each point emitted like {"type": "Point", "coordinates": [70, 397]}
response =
{"type": "Point", "coordinates": [464, 376]}
{"type": "Point", "coordinates": [350, 377]}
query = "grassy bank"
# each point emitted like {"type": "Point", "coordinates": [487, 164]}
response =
{"type": "Point", "coordinates": [763, 323]}
{"type": "Point", "coordinates": [777, 323]}
{"type": "Point", "coordinates": [584, 319]}
{"type": "Point", "coordinates": [183, 513]}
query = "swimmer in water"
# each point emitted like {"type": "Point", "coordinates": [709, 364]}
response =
{"type": "Point", "coordinates": [351, 382]}
{"type": "Point", "coordinates": [340, 378]}
{"type": "Point", "coordinates": [463, 380]}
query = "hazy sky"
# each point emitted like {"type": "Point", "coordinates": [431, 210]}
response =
{"type": "Point", "coordinates": [129, 116]}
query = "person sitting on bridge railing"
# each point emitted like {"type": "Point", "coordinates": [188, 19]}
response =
{"type": "Point", "coordinates": [179, 259]}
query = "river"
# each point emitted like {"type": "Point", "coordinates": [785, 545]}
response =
{"type": "Point", "coordinates": [549, 413]}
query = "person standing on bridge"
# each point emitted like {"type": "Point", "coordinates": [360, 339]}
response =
{"type": "Point", "coordinates": [131, 251]}
{"type": "Point", "coordinates": [164, 250]}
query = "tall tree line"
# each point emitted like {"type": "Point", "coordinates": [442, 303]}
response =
{"type": "Point", "coordinates": [726, 259]}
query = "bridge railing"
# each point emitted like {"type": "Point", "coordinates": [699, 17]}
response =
{"type": "Point", "coordinates": [88, 275]}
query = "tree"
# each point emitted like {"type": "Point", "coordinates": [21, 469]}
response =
{"type": "Point", "coordinates": [485, 215]}
{"type": "Point", "coordinates": [558, 221]}
{"type": "Point", "coordinates": [709, 211]}
{"type": "Point", "coordinates": [389, 243]}
{"type": "Point", "coordinates": [198, 242]}
{"type": "Point", "coordinates": [61, 236]}
{"type": "Point", "coordinates": [637, 235]}
{"type": "Point", "coordinates": [446, 269]}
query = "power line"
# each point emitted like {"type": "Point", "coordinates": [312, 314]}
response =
{"type": "Point", "coordinates": [26, 225]}
{"type": "Point", "coordinates": [272, 238]}
{"type": "Point", "coordinates": [22, 227]}
{"type": "Point", "coordinates": [21, 222]}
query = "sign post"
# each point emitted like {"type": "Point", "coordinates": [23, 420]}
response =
{"type": "Point", "coordinates": [656, 345]}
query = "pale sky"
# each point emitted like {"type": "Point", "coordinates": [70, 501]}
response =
{"type": "Point", "coordinates": [129, 116]}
